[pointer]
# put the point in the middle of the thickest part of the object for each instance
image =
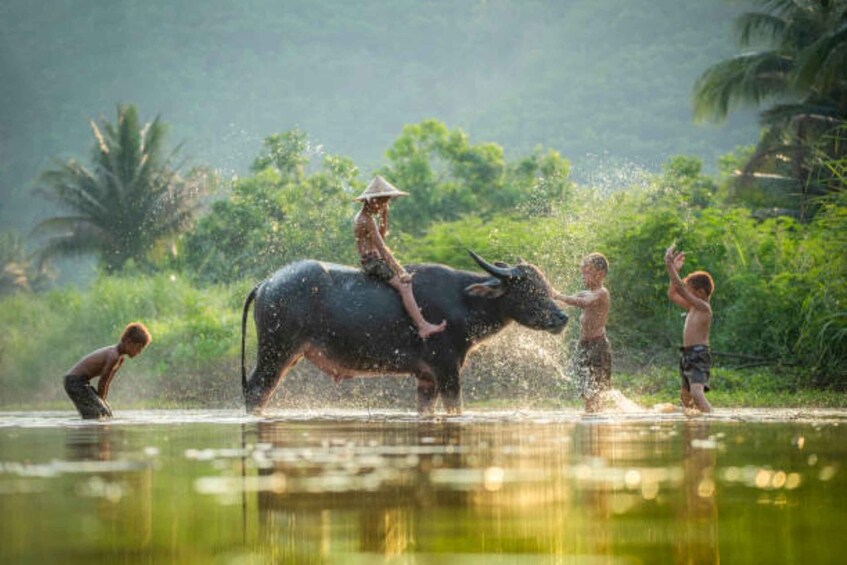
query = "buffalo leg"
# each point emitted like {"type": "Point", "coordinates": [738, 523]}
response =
{"type": "Point", "coordinates": [451, 393]}
{"type": "Point", "coordinates": [426, 395]}
{"type": "Point", "coordinates": [272, 363]}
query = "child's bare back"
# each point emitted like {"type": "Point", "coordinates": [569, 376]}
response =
{"type": "Point", "coordinates": [96, 363]}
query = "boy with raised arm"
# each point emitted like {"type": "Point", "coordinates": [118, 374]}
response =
{"type": "Point", "coordinates": [594, 353]}
{"type": "Point", "coordinates": [377, 259]}
{"type": "Point", "coordinates": [103, 363]}
{"type": "Point", "coordinates": [693, 295]}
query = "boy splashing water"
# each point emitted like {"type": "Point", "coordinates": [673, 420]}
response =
{"type": "Point", "coordinates": [594, 354]}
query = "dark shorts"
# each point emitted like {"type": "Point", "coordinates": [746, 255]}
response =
{"type": "Point", "coordinates": [695, 365]}
{"type": "Point", "coordinates": [594, 366]}
{"type": "Point", "coordinates": [377, 268]}
{"type": "Point", "coordinates": [89, 405]}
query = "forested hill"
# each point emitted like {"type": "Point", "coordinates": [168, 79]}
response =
{"type": "Point", "coordinates": [579, 76]}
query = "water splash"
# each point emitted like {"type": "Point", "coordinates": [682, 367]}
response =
{"type": "Point", "coordinates": [608, 174]}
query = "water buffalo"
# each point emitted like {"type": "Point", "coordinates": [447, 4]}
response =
{"type": "Point", "coordinates": [348, 324]}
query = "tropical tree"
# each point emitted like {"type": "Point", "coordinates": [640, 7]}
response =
{"type": "Point", "coordinates": [797, 71]}
{"type": "Point", "coordinates": [130, 199]}
{"type": "Point", "coordinates": [447, 177]}
{"type": "Point", "coordinates": [278, 214]}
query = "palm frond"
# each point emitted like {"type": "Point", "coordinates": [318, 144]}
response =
{"type": "Point", "coordinates": [58, 226]}
{"type": "Point", "coordinates": [74, 187]}
{"type": "Point", "coordinates": [753, 25]}
{"type": "Point", "coordinates": [784, 115]}
{"type": "Point", "coordinates": [746, 79]}
{"type": "Point", "coordinates": [822, 64]}
{"type": "Point", "coordinates": [84, 238]}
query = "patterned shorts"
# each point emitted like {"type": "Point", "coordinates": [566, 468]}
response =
{"type": "Point", "coordinates": [89, 405]}
{"type": "Point", "coordinates": [594, 366]}
{"type": "Point", "coordinates": [377, 268]}
{"type": "Point", "coordinates": [695, 365]}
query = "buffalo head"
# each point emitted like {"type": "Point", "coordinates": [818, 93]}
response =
{"type": "Point", "coordinates": [524, 293]}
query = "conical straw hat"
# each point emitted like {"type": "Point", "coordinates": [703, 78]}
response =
{"type": "Point", "coordinates": [379, 187]}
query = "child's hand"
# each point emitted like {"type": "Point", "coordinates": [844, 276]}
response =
{"type": "Point", "coordinates": [669, 256]}
{"type": "Point", "coordinates": [405, 277]}
{"type": "Point", "coordinates": [674, 259]}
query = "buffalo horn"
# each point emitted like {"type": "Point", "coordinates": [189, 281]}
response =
{"type": "Point", "coordinates": [499, 272]}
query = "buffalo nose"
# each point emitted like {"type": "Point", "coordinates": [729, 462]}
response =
{"type": "Point", "coordinates": [562, 317]}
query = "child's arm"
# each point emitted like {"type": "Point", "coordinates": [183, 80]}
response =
{"type": "Point", "coordinates": [383, 224]}
{"type": "Point", "coordinates": [673, 262]}
{"type": "Point", "coordinates": [582, 299]}
{"type": "Point", "coordinates": [677, 291]}
{"type": "Point", "coordinates": [676, 297]}
{"type": "Point", "coordinates": [384, 251]}
{"type": "Point", "coordinates": [107, 375]}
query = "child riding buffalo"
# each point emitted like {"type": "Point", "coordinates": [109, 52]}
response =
{"type": "Point", "coordinates": [377, 259]}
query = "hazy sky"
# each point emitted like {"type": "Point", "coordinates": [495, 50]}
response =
{"type": "Point", "coordinates": [586, 78]}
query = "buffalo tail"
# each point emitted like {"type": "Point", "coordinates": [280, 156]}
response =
{"type": "Point", "coordinates": [250, 298]}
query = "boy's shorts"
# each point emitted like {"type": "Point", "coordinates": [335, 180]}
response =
{"type": "Point", "coordinates": [377, 268]}
{"type": "Point", "coordinates": [89, 405]}
{"type": "Point", "coordinates": [594, 366]}
{"type": "Point", "coordinates": [695, 365]}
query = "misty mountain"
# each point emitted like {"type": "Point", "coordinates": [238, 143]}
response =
{"type": "Point", "coordinates": [588, 78]}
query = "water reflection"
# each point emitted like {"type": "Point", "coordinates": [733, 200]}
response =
{"type": "Point", "coordinates": [589, 489]}
{"type": "Point", "coordinates": [120, 488]}
{"type": "Point", "coordinates": [697, 516]}
{"type": "Point", "coordinates": [516, 487]}
{"type": "Point", "coordinates": [348, 492]}
{"type": "Point", "coordinates": [478, 489]}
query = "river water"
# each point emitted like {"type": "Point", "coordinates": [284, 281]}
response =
{"type": "Point", "coordinates": [747, 486]}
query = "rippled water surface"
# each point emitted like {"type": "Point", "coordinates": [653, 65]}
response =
{"type": "Point", "coordinates": [750, 486]}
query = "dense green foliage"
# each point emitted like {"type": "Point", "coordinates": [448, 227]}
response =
{"type": "Point", "coordinates": [277, 215]}
{"type": "Point", "coordinates": [780, 296]}
{"type": "Point", "coordinates": [776, 253]}
{"type": "Point", "coordinates": [454, 178]}
{"type": "Point", "coordinates": [195, 337]}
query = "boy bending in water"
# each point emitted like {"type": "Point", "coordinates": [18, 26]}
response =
{"type": "Point", "coordinates": [377, 259]}
{"type": "Point", "coordinates": [594, 353]}
{"type": "Point", "coordinates": [102, 363]}
{"type": "Point", "coordinates": [692, 294]}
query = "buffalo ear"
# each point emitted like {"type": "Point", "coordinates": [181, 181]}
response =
{"type": "Point", "coordinates": [491, 288]}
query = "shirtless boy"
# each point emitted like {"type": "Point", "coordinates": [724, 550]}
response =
{"type": "Point", "coordinates": [377, 259]}
{"type": "Point", "coordinates": [594, 353]}
{"type": "Point", "coordinates": [692, 294]}
{"type": "Point", "coordinates": [102, 363]}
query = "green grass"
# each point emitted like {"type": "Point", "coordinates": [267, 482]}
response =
{"type": "Point", "coordinates": [778, 387]}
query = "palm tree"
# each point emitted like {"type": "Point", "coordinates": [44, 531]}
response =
{"type": "Point", "coordinates": [800, 76]}
{"type": "Point", "coordinates": [19, 270]}
{"type": "Point", "coordinates": [131, 198]}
